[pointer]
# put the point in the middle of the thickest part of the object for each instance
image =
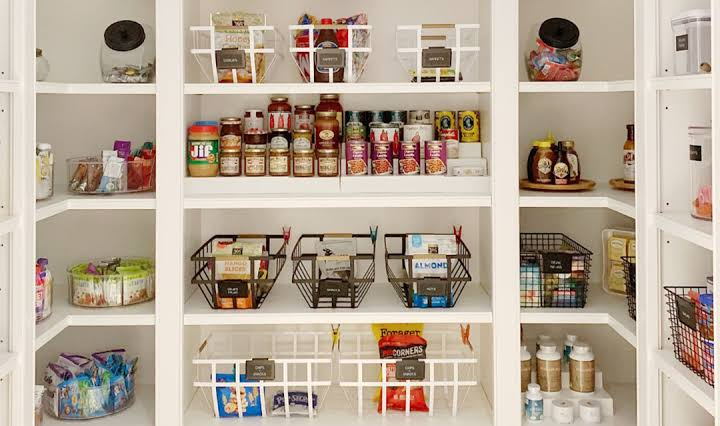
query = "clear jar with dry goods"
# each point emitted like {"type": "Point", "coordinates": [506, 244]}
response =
{"type": "Point", "coordinates": [328, 162]}
{"type": "Point", "coordinates": [303, 163]}
{"type": "Point", "coordinates": [255, 161]}
{"type": "Point", "coordinates": [279, 162]}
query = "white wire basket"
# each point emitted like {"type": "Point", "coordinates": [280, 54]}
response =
{"type": "Point", "coordinates": [438, 52]}
{"type": "Point", "coordinates": [356, 53]}
{"type": "Point", "coordinates": [247, 58]}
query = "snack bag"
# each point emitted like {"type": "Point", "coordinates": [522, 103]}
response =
{"type": "Point", "coordinates": [227, 398]}
{"type": "Point", "coordinates": [297, 403]}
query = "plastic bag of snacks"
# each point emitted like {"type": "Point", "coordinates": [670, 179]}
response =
{"type": "Point", "coordinates": [43, 290]}
{"type": "Point", "coordinates": [297, 403]}
{"type": "Point", "coordinates": [112, 282]}
{"type": "Point", "coordinates": [231, 32]}
{"type": "Point", "coordinates": [227, 398]}
{"type": "Point", "coordinates": [400, 341]}
{"type": "Point", "coordinates": [557, 55]}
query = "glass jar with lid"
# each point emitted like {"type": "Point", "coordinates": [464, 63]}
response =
{"type": "Point", "coordinates": [255, 161]}
{"type": "Point", "coordinates": [327, 131]}
{"type": "Point", "coordinates": [279, 162]}
{"type": "Point", "coordinates": [303, 163]}
{"type": "Point", "coordinates": [701, 172]}
{"type": "Point", "coordinates": [328, 162]}
{"type": "Point", "coordinates": [279, 113]}
{"type": "Point", "coordinates": [556, 53]}
{"type": "Point", "coordinates": [44, 171]}
{"type": "Point", "coordinates": [331, 103]}
{"type": "Point", "coordinates": [128, 53]}
{"type": "Point", "coordinates": [230, 133]}
{"type": "Point", "coordinates": [304, 118]}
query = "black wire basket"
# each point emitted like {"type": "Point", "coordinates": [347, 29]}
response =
{"type": "Point", "coordinates": [426, 292]}
{"type": "Point", "coordinates": [239, 293]}
{"type": "Point", "coordinates": [554, 271]}
{"type": "Point", "coordinates": [346, 291]}
{"type": "Point", "coordinates": [691, 326]}
{"type": "Point", "coordinates": [629, 268]}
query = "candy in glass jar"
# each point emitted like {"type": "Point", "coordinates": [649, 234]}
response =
{"type": "Point", "coordinates": [557, 52]}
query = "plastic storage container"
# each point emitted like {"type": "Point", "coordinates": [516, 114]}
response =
{"type": "Point", "coordinates": [112, 282]}
{"type": "Point", "coordinates": [44, 171]}
{"type": "Point", "coordinates": [692, 52]}
{"type": "Point", "coordinates": [90, 175]}
{"type": "Point", "coordinates": [701, 172]}
{"type": "Point", "coordinates": [557, 52]}
{"type": "Point", "coordinates": [128, 53]}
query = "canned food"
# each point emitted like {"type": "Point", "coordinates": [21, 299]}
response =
{"type": "Point", "coordinates": [356, 158]}
{"type": "Point", "coordinates": [420, 116]}
{"type": "Point", "coordinates": [280, 139]}
{"type": "Point", "coordinates": [382, 132]}
{"type": "Point", "coordinates": [417, 132]}
{"type": "Point", "coordinates": [375, 117]}
{"type": "Point", "coordinates": [444, 120]}
{"type": "Point", "coordinates": [435, 158]}
{"type": "Point", "coordinates": [302, 139]}
{"type": "Point", "coordinates": [381, 158]}
{"type": "Point", "coordinates": [469, 126]}
{"type": "Point", "coordinates": [452, 142]}
{"type": "Point", "coordinates": [409, 160]}
{"type": "Point", "coordinates": [355, 131]}
{"type": "Point", "coordinates": [396, 117]}
{"type": "Point", "coordinates": [354, 117]}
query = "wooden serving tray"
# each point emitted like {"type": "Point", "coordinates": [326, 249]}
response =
{"type": "Point", "coordinates": [621, 185]}
{"type": "Point", "coordinates": [584, 185]}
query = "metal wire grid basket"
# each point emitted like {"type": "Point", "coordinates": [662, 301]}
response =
{"type": "Point", "coordinates": [691, 325]}
{"type": "Point", "coordinates": [323, 292]}
{"type": "Point", "coordinates": [629, 267]}
{"type": "Point", "coordinates": [554, 271]}
{"type": "Point", "coordinates": [238, 294]}
{"type": "Point", "coordinates": [430, 292]}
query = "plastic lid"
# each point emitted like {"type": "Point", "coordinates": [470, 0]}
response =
{"type": "Point", "coordinates": [279, 99]}
{"type": "Point", "coordinates": [326, 21]}
{"type": "Point", "coordinates": [559, 33]}
{"type": "Point", "coordinates": [329, 96]}
{"type": "Point", "coordinates": [202, 129]}
{"type": "Point", "coordinates": [205, 123]}
{"type": "Point", "coordinates": [693, 13]}
{"type": "Point", "coordinates": [533, 388]}
{"type": "Point", "coordinates": [570, 338]}
{"type": "Point", "coordinates": [123, 36]}
{"type": "Point", "coordinates": [548, 347]}
{"type": "Point", "coordinates": [581, 348]}
{"type": "Point", "coordinates": [543, 144]}
{"type": "Point", "coordinates": [44, 146]}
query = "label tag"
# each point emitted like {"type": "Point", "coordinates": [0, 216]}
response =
{"type": "Point", "coordinates": [330, 58]}
{"type": "Point", "coordinates": [686, 312]}
{"type": "Point", "coordinates": [681, 43]}
{"type": "Point", "coordinates": [557, 263]}
{"type": "Point", "coordinates": [233, 289]}
{"type": "Point", "coordinates": [228, 59]}
{"type": "Point", "coordinates": [260, 369]}
{"type": "Point", "coordinates": [432, 288]}
{"type": "Point", "coordinates": [411, 369]}
{"type": "Point", "coordinates": [436, 57]}
{"type": "Point", "coordinates": [334, 289]}
{"type": "Point", "coordinates": [695, 153]}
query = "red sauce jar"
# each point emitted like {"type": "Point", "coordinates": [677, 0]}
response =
{"type": "Point", "coordinates": [304, 118]}
{"type": "Point", "coordinates": [254, 121]}
{"type": "Point", "coordinates": [279, 113]}
{"type": "Point", "coordinates": [331, 103]}
{"type": "Point", "coordinates": [327, 131]}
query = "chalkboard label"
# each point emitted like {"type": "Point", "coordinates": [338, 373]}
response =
{"type": "Point", "coordinates": [557, 263]}
{"type": "Point", "coordinates": [432, 288]}
{"type": "Point", "coordinates": [681, 43]}
{"type": "Point", "coordinates": [330, 58]}
{"type": "Point", "coordinates": [686, 312]}
{"type": "Point", "coordinates": [334, 289]}
{"type": "Point", "coordinates": [228, 59]}
{"type": "Point", "coordinates": [436, 57]}
{"type": "Point", "coordinates": [410, 370]}
{"type": "Point", "coordinates": [695, 153]}
{"type": "Point", "coordinates": [233, 289]}
{"type": "Point", "coordinates": [260, 369]}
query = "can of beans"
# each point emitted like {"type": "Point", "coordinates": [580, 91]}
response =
{"type": "Point", "coordinates": [375, 117]}
{"type": "Point", "coordinates": [409, 160]}
{"type": "Point", "coordinates": [469, 123]}
{"type": "Point", "coordinates": [396, 117]}
{"type": "Point", "coordinates": [444, 120]}
{"type": "Point", "coordinates": [435, 158]}
{"type": "Point", "coordinates": [381, 158]}
{"type": "Point", "coordinates": [419, 116]}
{"type": "Point", "coordinates": [452, 142]}
{"type": "Point", "coordinates": [356, 158]}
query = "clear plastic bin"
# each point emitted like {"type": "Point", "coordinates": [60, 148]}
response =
{"type": "Point", "coordinates": [692, 31]}
{"type": "Point", "coordinates": [88, 175]}
{"type": "Point", "coordinates": [701, 172]}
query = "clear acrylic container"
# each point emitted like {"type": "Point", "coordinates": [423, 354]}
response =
{"type": "Point", "coordinates": [701, 172]}
{"type": "Point", "coordinates": [128, 53]}
{"type": "Point", "coordinates": [556, 53]}
{"type": "Point", "coordinates": [692, 31]}
{"type": "Point", "coordinates": [44, 171]}
{"type": "Point", "coordinates": [90, 175]}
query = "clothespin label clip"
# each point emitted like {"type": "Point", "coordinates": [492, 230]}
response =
{"type": "Point", "coordinates": [335, 336]}
{"type": "Point", "coordinates": [286, 233]}
{"type": "Point", "coordinates": [458, 233]}
{"type": "Point", "coordinates": [374, 233]}
{"type": "Point", "coordinates": [465, 335]}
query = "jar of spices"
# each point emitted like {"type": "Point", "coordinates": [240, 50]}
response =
{"type": "Point", "coordinates": [279, 113]}
{"type": "Point", "coordinates": [304, 163]}
{"type": "Point", "coordinates": [230, 133]}
{"type": "Point", "coordinates": [230, 161]}
{"type": "Point", "coordinates": [573, 161]}
{"type": "Point", "coordinates": [255, 164]}
{"type": "Point", "coordinates": [327, 131]}
{"type": "Point", "coordinates": [302, 139]}
{"type": "Point", "coordinates": [254, 121]}
{"type": "Point", "coordinates": [543, 163]}
{"type": "Point", "coordinates": [202, 151]}
{"type": "Point", "coordinates": [328, 162]}
{"type": "Point", "coordinates": [257, 139]}
{"type": "Point", "coordinates": [331, 103]}
{"type": "Point", "coordinates": [279, 162]}
{"type": "Point", "coordinates": [280, 139]}
{"type": "Point", "coordinates": [304, 117]}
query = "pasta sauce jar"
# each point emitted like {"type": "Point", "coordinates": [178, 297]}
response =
{"type": "Point", "coordinates": [304, 117]}
{"type": "Point", "coordinates": [279, 113]}
{"type": "Point", "coordinates": [327, 131]}
{"type": "Point", "coordinates": [331, 103]}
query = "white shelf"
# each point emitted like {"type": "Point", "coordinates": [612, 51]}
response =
{"type": "Point", "coordinates": [577, 86]}
{"type": "Point", "coordinates": [682, 225]}
{"type": "Point", "coordinates": [9, 86]}
{"type": "Point", "coordinates": [94, 88]}
{"type": "Point", "coordinates": [66, 315]}
{"type": "Point", "coordinates": [8, 224]}
{"type": "Point", "coordinates": [62, 202]}
{"type": "Point", "coordinates": [603, 196]}
{"type": "Point", "coordinates": [337, 410]}
{"type": "Point", "coordinates": [8, 361]}
{"type": "Point", "coordinates": [341, 88]}
{"type": "Point", "coordinates": [140, 413]}
{"type": "Point", "coordinates": [285, 305]}
{"type": "Point", "coordinates": [685, 379]}
{"type": "Point", "coordinates": [682, 82]}
{"type": "Point", "coordinates": [601, 308]}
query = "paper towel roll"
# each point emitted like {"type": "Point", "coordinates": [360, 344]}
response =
{"type": "Point", "coordinates": [562, 411]}
{"type": "Point", "coordinates": [590, 411]}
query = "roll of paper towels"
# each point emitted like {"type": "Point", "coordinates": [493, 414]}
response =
{"type": "Point", "coordinates": [562, 411]}
{"type": "Point", "coordinates": [590, 411]}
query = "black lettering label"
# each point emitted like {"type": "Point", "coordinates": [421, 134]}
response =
{"type": "Point", "coordinates": [695, 153]}
{"type": "Point", "coordinates": [334, 289]}
{"type": "Point", "coordinates": [432, 288]}
{"type": "Point", "coordinates": [233, 289]}
{"type": "Point", "coordinates": [410, 370]}
{"type": "Point", "coordinates": [557, 263]}
{"type": "Point", "coordinates": [260, 369]}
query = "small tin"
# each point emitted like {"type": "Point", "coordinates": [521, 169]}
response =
{"type": "Point", "coordinates": [381, 158]}
{"type": "Point", "coordinates": [418, 132]}
{"type": "Point", "coordinates": [419, 116]}
{"type": "Point", "coordinates": [356, 158]}
{"type": "Point", "coordinates": [384, 132]}
{"type": "Point", "coordinates": [435, 158]}
{"type": "Point", "coordinates": [452, 141]}
{"type": "Point", "coordinates": [444, 120]}
{"type": "Point", "coordinates": [355, 130]}
{"type": "Point", "coordinates": [469, 123]}
{"type": "Point", "coordinates": [302, 139]}
{"type": "Point", "coordinates": [280, 139]}
{"type": "Point", "coordinates": [375, 117]}
{"type": "Point", "coordinates": [409, 160]}
{"type": "Point", "coordinates": [396, 117]}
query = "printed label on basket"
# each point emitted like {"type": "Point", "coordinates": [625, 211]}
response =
{"type": "Point", "coordinates": [686, 312]}
{"type": "Point", "coordinates": [260, 369]}
{"type": "Point", "coordinates": [695, 153]}
{"type": "Point", "coordinates": [410, 369]}
{"type": "Point", "coordinates": [330, 58]}
{"type": "Point", "coordinates": [334, 289]}
{"type": "Point", "coordinates": [557, 263]}
{"type": "Point", "coordinates": [436, 57]}
{"type": "Point", "coordinates": [228, 59]}
{"type": "Point", "coordinates": [233, 289]}
{"type": "Point", "coordinates": [432, 288]}
{"type": "Point", "coordinates": [681, 43]}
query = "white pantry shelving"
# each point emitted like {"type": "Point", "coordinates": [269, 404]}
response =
{"type": "Point", "coordinates": [685, 379]}
{"type": "Point", "coordinates": [8, 362]}
{"type": "Point", "coordinates": [140, 413]}
{"type": "Point", "coordinates": [9, 86]}
{"type": "Point", "coordinates": [684, 226]}
{"type": "Point", "coordinates": [93, 89]}
{"type": "Point", "coordinates": [62, 202]}
{"type": "Point", "coordinates": [685, 82]}
{"type": "Point", "coordinates": [577, 86]}
{"type": "Point", "coordinates": [602, 196]}
{"type": "Point", "coordinates": [340, 88]}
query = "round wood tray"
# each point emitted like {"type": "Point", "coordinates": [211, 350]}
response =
{"type": "Point", "coordinates": [584, 185]}
{"type": "Point", "coordinates": [621, 185]}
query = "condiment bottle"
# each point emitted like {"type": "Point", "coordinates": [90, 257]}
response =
{"type": "Point", "coordinates": [549, 368]}
{"type": "Point", "coordinates": [573, 161]}
{"type": "Point", "coordinates": [582, 368]}
{"type": "Point", "coordinates": [534, 403]}
{"type": "Point", "coordinates": [629, 155]}
{"type": "Point", "coordinates": [570, 340]}
{"type": "Point", "coordinates": [525, 368]}
{"type": "Point", "coordinates": [327, 39]}
{"type": "Point", "coordinates": [331, 102]}
{"type": "Point", "coordinates": [531, 159]}
{"type": "Point", "coordinates": [543, 163]}
{"type": "Point", "coordinates": [561, 168]}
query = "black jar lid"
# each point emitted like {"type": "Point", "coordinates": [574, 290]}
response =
{"type": "Point", "coordinates": [123, 36]}
{"type": "Point", "coordinates": [559, 33]}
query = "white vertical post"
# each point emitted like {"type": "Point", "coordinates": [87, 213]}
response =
{"type": "Point", "coordinates": [418, 56]}
{"type": "Point", "coordinates": [252, 56]}
{"type": "Point", "coordinates": [349, 55]}
{"type": "Point", "coordinates": [716, 189]}
{"type": "Point", "coordinates": [505, 212]}
{"type": "Point", "coordinates": [458, 45]}
{"type": "Point", "coordinates": [311, 43]}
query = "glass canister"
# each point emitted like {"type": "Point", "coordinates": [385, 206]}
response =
{"type": "Point", "coordinates": [556, 52]}
{"type": "Point", "coordinates": [128, 53]}
{"type": "Point", "coordinates": [44, 171]}
{"type": "Point", "coordinates": [701, 172]}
